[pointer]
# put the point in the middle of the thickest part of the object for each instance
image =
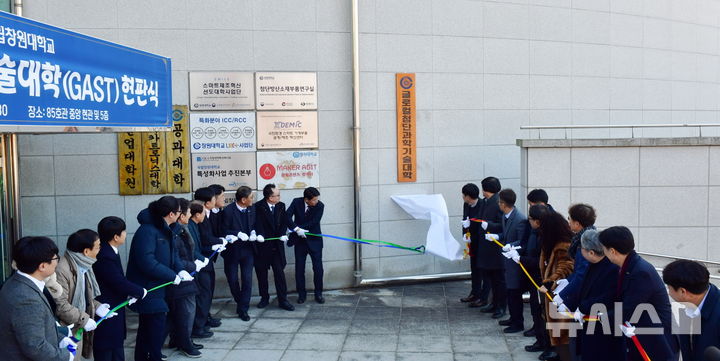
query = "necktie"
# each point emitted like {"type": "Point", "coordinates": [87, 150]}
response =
{"type": "Point", "coordinates": [272, 209]}
{"type": "Point", "coordinates": [307, 211]}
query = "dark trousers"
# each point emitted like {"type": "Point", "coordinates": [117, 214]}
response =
{"type": "Point", "coordinates": [150, 336]}
{"type": "Point", "coordinates": [301, 252]}
{"type": "Point", "coordinates": [538, 314]}
{"type": "Point", "coordinates": [496, 279]}
{"type": "Point", "coordinates": [515, 306]}
{"type": "Point", "coordinates": [203, 300]}
{"type": "Point", "coordinates": [180, 321]}
{"type": "Point", "coordinates": [244, 260]}
{"type": "Point", "coordinates": [262, 264]}
{"type": "Point", "coordinates": [115, 354]}
{"type": "Point", "coordinates": [479, 288]}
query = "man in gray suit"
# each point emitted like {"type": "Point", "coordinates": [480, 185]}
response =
{"type": "Point", "coordinates": [27, 325]}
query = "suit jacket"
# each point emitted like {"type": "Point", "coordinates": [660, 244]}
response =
{"type": "Point", "coordinates": [693, 346]}
{"type": "Point", "coordinates": [296, 217]}
{"type": "Point", "coordinates": [489, 255]}
{"type": "Point", "coordinates": [597, 288]}
{"type": "Point", "coordinates": [530, 254]}
{"type": "Point", "coordinates": [208, 230]}
{"type": "Point", "coordinates": [27, 324]}
{"type": "Point", "coordinates": [514, 232]}
{"type": "Point", "coordinates": [233, 222]}
{"type": "Point", "coordinates": [114, 289]}
{"type": "Point", "coordinates": [187, 252]}
{"type": "Point", "coordinates": [570, 294]}
{"type": "Point", "coordinates": [476, 231]}
{"type": "Point", "coordinates": [269, 225]}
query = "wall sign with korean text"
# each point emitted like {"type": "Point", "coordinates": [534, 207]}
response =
{"type": "Point", "coordinates": [289, 169]}
{"type": "Point", "coordinates": [406, 128]}
{"type": "Point", "coordinates": [230, 170]}
{"type": "Point", "coordinates": [154, 163]}
{"type": "Point", "coordinates": [230, 90]}
{"type": "Point", "coordinates": [287, 130]}
{"type": "Point", "coordinates": [178, 152]}
{"type": "Point", "coordinates": [222, 132]}
{"type": "Point", "coordinates": [130, 163]}
{"type": "Point", "coordinates": [286, 91]}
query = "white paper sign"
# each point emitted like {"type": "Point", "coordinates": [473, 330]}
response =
{"type": "Point", "coordinates": [230, 170]}
{"type": "Point", "coordinates": [287, 130]}
{"type": "Point", "coordinates": [222, 91]}
{"type": "Point", "coordinates": [286, 91]}
{"type": "Point", "coordinates": [222, 132]}
{"type": "Point", "coordinates": [289, 170]}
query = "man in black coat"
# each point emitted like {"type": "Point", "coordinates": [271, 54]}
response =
{"type": "Point", "coordinates": [689, 283]}
{"type": "Point", "coordinates": [639, 286]}
{"type": "Point", "coordinates": [215, 219]}
{"type": "Point", "coordinates": [205, 279]}
{"type": "Point", "coordinates": [479, 291]}
{"type": "Point", "coordinates": [272, 222]}
{"type": "Point", "coordinates": [239, 219]}
{"type": "Point", "coordinates": [114, 289]}
{"type": "Point", "coordinates": [304, 215]}
{"type": "Point", "coordinates": [489, 256]}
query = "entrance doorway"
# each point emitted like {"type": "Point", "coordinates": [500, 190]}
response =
{"type": "Point", "coordinates": [9, 220]}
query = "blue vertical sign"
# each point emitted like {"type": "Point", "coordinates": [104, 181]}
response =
{"type": "Point", "coordinates": [51, 76]}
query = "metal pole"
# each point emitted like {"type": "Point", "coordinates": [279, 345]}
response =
{"type": "Point", "coordinates": [356, 139]}
{"type": "Point", "coordinates": [18, 7]}
{"type": "Point", "coordinates": [13, 186]}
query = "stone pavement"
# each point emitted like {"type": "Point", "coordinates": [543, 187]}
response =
{"type": "Point", "coordinates": [414, 322]}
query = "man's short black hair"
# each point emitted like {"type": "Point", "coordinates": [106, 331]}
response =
{"type": "Point", "coordinates": [508, 197]}
{"type": "Point", "coordinates": [690, 275]}
{"type": "Point", "coordinates": [471, 190]}
{"type": "Point", "coordinates": [537, 196]}
{"type": "Point", "coordinates": [196, 207]}
{"type": "Point", "coordinates": [268, 190]}
{"type": "Point", "coordinates": [491, 185]}
{"type": "Point", "coordinates": [310, 193]}
{"type": "Point", "coordinates": [538, 212]}
{"type": "Point", "coordinates": [618, 237]}
{"type": "Point", "coordinates": [109, 227]}
{"type": "Point", "coordinates": [82, 239]}
{"type": "Point", "coordinates": [29, 252]}
{"type": "Point", "coordinates": [204, 194]}
{"type": "Point", "coordinates": [217, 189]}
{"type": "Point", "coordinates": [242, 192]}
{"type": "Point", "coordinates": [583, 213]}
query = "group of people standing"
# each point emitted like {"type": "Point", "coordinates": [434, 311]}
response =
{"type": "Point", "coordinates": [53, 305]}
{"type": "Point", "coordinates": [592, 297]}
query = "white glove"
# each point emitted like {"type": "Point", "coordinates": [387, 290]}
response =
{"type": "Point", "coordinates": [260, 238]}
{"type": "Point", "coordinates": [90, 325]}
{"type": "Point", "coordinates": [516, 257]}
{"type": "Point", "coordinates": [491, 237]}
{"type": "Point", "coordinates": [484, 225]}
{"type": "Point", "coordinates": [199, 265]}
{"type": "Point", "coordinates": [557, 300]}
{"type": "Point", "coordinates": [70, 345]}
{"type": "Point", "coordinates": [229, 239]}
{"type": "Point", "coordinates": [507, 248]}
{"type": "Point", "coordinates": [300, 232]}
{"type": "Point", "coordinates": [185, 276]}
{"type": "Point", "coordinates": [284, 238]}
{"type": "Point", "coordinates": [628, 330]}
{"type": "Point", "coordinates": [466, 238]}
{"type": "Point", "coordinates": [177, 280]}
{"type": "Point", "coordinates": [253, 236]}
{"type": "Point", "coordinates": [561, 284]}
{"type": "Point", "coordinates": [512, 254]}
{"type": "Point", "coordinates": [144, 294]}
{"type": "Point", "coordinates": [465, 222]}
{"type": "Point", "coordinates": [218, 247]}
{"type": "Point", "coordinates": [579, 316]}
{"type": "Point", "coordinates": [243, 236]}
{"type": "Point", "coordinates": [103, 310]}
{"type": "Point", "coordinates": [563, 309]}
{"type": "Point", "coordinates": [131, 301]}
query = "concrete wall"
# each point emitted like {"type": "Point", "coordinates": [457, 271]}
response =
{"type": "Point", "coordinates": [484, 68]}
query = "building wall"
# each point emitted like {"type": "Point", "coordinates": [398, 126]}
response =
{"type": "Point", "coordinates": [484, 68]}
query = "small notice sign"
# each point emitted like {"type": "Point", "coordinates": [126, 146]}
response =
{"type": "Point", "coordinates": [287, 130]}
{"type": "Point", "coordinates": [286, 91]}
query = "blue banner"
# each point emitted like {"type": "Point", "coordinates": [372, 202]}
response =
{"type": "Point", "coordinates": [51, 76]}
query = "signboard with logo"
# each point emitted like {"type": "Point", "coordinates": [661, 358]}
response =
{"type": "Point", "coordinates": [178, 151]}
{"type": "Point", "coordinates": [286, 91]}
{"type": "Point", "coordinates": [406, 128]}
{"type": "Point", "coordinates": [222, 90]}
{"type": "Point", "coordinates": [45, 82]}
{"type": "Point", "coordinates": [222, 132]}
{"type": "Point", "coordinates": [287, 130]}
{"type": "Point", "coordinates": [289, 169]}
{"type": "Point", "coordinates": [230, 170]}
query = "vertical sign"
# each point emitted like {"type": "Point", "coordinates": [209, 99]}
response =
{"type": "Point", "coordinates": [178, 151]}
{"type": "Point", "coordinates": [406, 144]}
{"type": "Point", "coordinates": [154, 163]}
{"type": "Point", "coordinates": [130, 163]}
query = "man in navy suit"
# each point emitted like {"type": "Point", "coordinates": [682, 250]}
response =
{"type": "Point", "coordinates": [272, 222]}
{"type": "Point", "coordinates": [639, 286]}
{"type": "Point", "coordinates": [239, 219]}
{"type": "Point", "coordinates": [304, 215]}
{"type": "Point", "coordinates": [114, 289]}
{"type": "Point", "coordinates": [205, 279]}
{"type": "Point", "coordinates": [689, 283]}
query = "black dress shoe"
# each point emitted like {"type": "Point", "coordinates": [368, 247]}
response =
{"type": "Point", "coordinates": [204, 334]}
{"type": "Point", "coordinates": [507, 322]}
{"type": "Point", "coordinates": [536, 347]}
{"type": "Point", "coordinates": [285, 305]}
{"type": "Point", "coordinates": [320, 299]}
{"type": "Point", "coordinates": [244, 316]}
{"type": "Point", "coordinates": [214, 322]}
{"type": "Point", "coordinates": [477, 303]}
{"type": "Point", "coordinates": [198, 346]}
{"type": "Point", "coordinates": [489, 308]}
{"type": "Point", "coordinates": [498, 314]}
{"type": "Point", "coordinates": [163, 357]}
{"type": "Point", "coordinates": [548, 355]}
{"type": "Point", "coordinates": [512, 329]}
{"type": "Point", "coordinates": [301, 300]}
{"type": "Point", "coordinates": [469, 298]}
{"type": "Point", "coordinates": [263, 303]}
{"type": "Point", "coordinates": [529, 333]}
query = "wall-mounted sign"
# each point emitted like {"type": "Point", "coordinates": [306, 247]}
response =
{"type": "Point", "coordinates": [178, 151]}
{"type": "Point", "coordinates": [130, 163]}
{"type": "Point", "coordinates": [286, 91]}
{"type": "Point", "coordinates": [222, 132]}
{"type": "Point", "coordinates": [287, 130]}
{"type": "Point", "coordinates": [406, 141]}
{"type": "Point", "coordinates": [230, 170]}
{"type": "Point", "coordinates": [289, 170]}
{"type": "Point", "coordinates": [154, 163]}
{"type": "Point", "coordinates": [44, 81]}
{"type": "Point", "coordinates": [230, 90]}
